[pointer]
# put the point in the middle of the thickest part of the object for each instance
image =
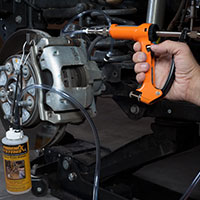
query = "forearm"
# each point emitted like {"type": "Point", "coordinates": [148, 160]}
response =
{"type": "Point", "coordinates": [193, 90]}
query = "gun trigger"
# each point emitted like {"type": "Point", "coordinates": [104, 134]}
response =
{"type": "Point", "coordinates": [148, 47]}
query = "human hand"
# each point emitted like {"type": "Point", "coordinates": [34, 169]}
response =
{"type": "Point", "coordinates": [186, 85]}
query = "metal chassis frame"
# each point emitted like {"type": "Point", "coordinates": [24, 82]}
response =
{"type": "Point", "coordinates": [75, 180]}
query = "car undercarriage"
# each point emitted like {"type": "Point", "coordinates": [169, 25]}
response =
{"type": "Point", "coordinates": [38, 35]}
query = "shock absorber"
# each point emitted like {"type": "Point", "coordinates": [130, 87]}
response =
{"type": "Point", "coordinates": [155, 12]}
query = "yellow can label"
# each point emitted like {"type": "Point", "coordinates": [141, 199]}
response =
{"type": "Point", "coordinates": [17, 167]}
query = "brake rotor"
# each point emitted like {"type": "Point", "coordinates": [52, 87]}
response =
{"type": "Point", "coordinates": [40, 133]}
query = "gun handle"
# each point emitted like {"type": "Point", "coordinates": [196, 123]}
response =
{"type": "Point", "coordinates": [148, 91]}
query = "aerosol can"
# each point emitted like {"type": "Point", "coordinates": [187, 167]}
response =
{"type": "Point", "coordinates": [16, 162]}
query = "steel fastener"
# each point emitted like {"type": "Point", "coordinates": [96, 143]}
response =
{"type": "Point", "coordinates": [135, 109]}
{"type": "Point", "coordinates": [18, 19]}
{"type": "Point", "coordinates": [39, 189]}
{"type": "Point", "coordinates": [72, 176]}
{"type": "Point", "coordinates": [65, 164]}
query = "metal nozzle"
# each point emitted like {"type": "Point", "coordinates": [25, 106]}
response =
{"type": "Point", "coordinates": [168, 34]}
{"type": "Point", "coordinates": [192, 34]}
{"type": "Point", "coordinates": [104, 31]}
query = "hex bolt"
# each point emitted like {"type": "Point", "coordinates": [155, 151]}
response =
{"type": "Point", "coordinates": [18, 19]}
{"type": "Point", "coordinates": [65, 164]}
{"type": "Point", "coordinates": [9, 68]}
{"type": "Point", "coordinates": [10, 90]}
{"type": "Point", "coordinates": [56, 53]}
{"type": "Point", "coordinates": [72, 176]}
{"type": "Point", "coordinates": [26, 71]}
{"type": "Point", "coordinates": [30, 102]}
{"type": "Point", "coordinates": [2, 93]}
{"type": "Point", "coordinates": [169, 111]}
{"type": "Point", "coordinates": [39, 189]}
{"type": "Point", "coordinates": [135, 109]}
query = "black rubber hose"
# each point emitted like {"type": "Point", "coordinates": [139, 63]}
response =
{"type": "Point", "coordinates": [92, 45]}
{"type": "Point", "coordinates": [65, 29]}
{"type": "Point", "coordinates": [113, 58]}
{"type": "Point", "coordinates": [170, 78]}
{"type": "Point", "coordinates": [64, 13]}
{"type": "Point", "coordinates": [118, 12]}
{"type": "Point", "coordinates": [15, 108]}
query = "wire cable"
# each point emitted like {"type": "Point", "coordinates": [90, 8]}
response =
{"type": "Point", "coordinates": [90, 121]}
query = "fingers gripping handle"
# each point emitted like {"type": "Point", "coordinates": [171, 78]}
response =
{"type": "Point", "coordinates": [148, 91]}
{"type": "Point", "coordinates": [144, 34]}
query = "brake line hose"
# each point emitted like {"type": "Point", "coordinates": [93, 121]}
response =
{"type": "Point", "coordinates": [191, 187]}
{"type": "Point", "coordinates": [73, 33]}
{"type": "Point", "coordinates": [65, 29]}
{"type": "Point", "coordinates": [96, 138]}
{"type": "Point", "coordinates": [90, 121]}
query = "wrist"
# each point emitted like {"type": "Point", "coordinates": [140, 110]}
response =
{"type": "Point", "coordinates": [193, 91]}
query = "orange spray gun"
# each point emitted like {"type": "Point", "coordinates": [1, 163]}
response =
{"type": "Point", "coordinates": [146, 34]}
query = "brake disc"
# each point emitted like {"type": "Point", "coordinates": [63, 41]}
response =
{"type": "Point", "coordinates": [40, 133]}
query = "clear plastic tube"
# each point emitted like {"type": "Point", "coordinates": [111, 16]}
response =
{"type": "Point", "coordinates": [90, 121]}
{"type": "Point", "coordinates": [191, 187]}
{"type": "Point", "coordinates": [76, 32]}
{"type": "Point", "coordinates": [15, 110]}
{"type": "Point", "coordinates": [65, 29]}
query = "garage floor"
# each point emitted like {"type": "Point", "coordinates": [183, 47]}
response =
{"type": "Point", "coordinates": [115, 130]}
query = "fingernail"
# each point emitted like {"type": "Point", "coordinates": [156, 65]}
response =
{"type": "Point", "coordinates": [141, 57]}
{"type": "Point", "coordinates": [144, 66]}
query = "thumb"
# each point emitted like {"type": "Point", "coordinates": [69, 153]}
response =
{"type": "Point", "coordinates": [167, 47]}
